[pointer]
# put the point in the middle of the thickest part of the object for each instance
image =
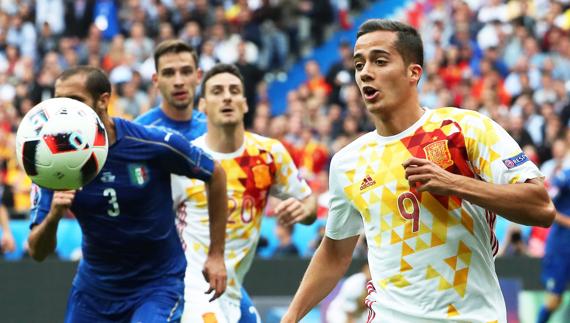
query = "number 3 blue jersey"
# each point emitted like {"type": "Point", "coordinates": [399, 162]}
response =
{"type": "Point", "coordinates": [126, 216]}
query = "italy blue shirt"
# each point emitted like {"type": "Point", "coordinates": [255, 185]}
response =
{"type": "Point", "coordinates": [559, 235]}
{"type": "Point", "coordinates": [191, 129]}
{"type": "Point", "coordinates": [130, 241]}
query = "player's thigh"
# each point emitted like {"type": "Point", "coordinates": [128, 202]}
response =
{"type": "Point", "coordinates": [555, 274]}
{"type": "Point", "coordinates": [248, 311]}
{"type": "Point", "coordinates": [159, 306]}
{"type": "Point", "coordinates": [85, 308]}
{"type": "Point", "coordinates": [198, 308]}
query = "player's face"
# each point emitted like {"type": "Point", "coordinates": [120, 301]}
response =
{"type": "Point", "coordinates": [176, 79]}
{"type": "Point", "coordinates": [74, 88]}
{"type": "Point", "coordinates": [381, 75]}
{"type": "Point", "coordinates": [224, 100]}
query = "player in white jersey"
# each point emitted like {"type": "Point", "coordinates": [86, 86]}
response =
{"type": "Point", "coordinates": [257, 167]}
{"type": "Point", "coordinates": [426, 185]}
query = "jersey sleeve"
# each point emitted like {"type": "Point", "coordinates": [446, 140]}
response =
{"type": "Point", "coordinates": [41, 203]}
{"type": "Point", "coordinates": [343, 220]}
{"type": "Point", "coordinates": [288, 181]}
{"type": "Point", "coordinates": [494, 154]}
{"type": "Point", "coordinates": [181, 157]}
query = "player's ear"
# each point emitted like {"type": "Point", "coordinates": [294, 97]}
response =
{"type": "Point", "coordinates": [103, 101]}
{"type": "Point", "coordinates": [414, 73]}
{"type": "Point", "coordinates": [154, 78]}
{"type": "Point", "coordinates": [202, 105]}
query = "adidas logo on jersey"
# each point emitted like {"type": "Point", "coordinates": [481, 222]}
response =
{"type": "Point", "coordinates": [367, 182]}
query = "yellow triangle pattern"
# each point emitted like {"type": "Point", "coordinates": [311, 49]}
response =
{"type": "Point", "coordinates": [460, 289]}
{"type": "Point", "coordinates": [350, 175]}
{"type": "Point", "coordinates": [467, 221]}
{"type": "Point", "coordinates": [443, 284]}
{"type": "Point", "coordinates": [421, 245]}
{"type": "Point", "coordinates": [378, 240]}
{"type": "Point", "coordinates": [395, 238]}
{"type": "Point", "coordinates": [451, 261]}
{"type": "Point", "coordinates": [407, 250]}
{"type": "Point", "coordinates": [404, 265]}
{"type": "Point", "coordinates": [452, 311]}
{"type": "Point", "coordinates": [431, 272]}
{"type": "Point", "coordinates": [463, 248]}
{"type": "Point", "coordinates": [399, 281]}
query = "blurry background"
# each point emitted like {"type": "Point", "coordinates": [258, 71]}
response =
{"type": "Point", "coordinates": [507, 59]}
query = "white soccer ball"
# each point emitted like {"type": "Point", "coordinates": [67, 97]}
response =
{"type": "Point", "coordinates": [61, 144]}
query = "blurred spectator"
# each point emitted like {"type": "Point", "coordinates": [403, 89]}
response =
{"type": "Point", "coordinates": [513, 245]}
{"type": "Point", "coordinates": [286, 248]}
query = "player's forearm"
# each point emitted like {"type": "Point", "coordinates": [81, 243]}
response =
{"type": "Point", "coordinates": [525, 203]}
{"type": "Point", "coordinates": [43, 238]}
{"type": "Point", "coordinates": [4, 222]}
{"type": "Point", "coordinates": [310, 204]}
{"type": "Point", "coordinates": [217, 210]}
{"type": "Point", "coordinates": [325, 270]}
{"type": "Point", "coordinates": [562, 219]}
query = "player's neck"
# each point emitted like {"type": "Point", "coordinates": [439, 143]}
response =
{"type": "Point", "coordinates": [225, 139]}
{"type": "Point", "coordinates": [393, 123]}
{"type": "Point", "coordinates": [176, 114]}
{"type": "Point", "coordinates": [111, 131]}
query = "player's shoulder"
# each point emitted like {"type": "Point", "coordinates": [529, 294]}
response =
{"type": "Point", "coordinates": [151, 116]}
{"type": "Point", "coordinates": [456, 114]}
{"type": "Point", "coordinates": [353, 149]}
{"type": "Point", "coordinates": [267, 143]}
{"type": "Point", "coordinates": [132, 130]}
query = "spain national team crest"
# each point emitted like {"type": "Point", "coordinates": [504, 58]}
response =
{"type": "Point", "coordinates": [138, 173]}
{"type": "Point", "coordinates": [438, 152]}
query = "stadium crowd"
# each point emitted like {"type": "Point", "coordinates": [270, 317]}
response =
{"type": "Point", "coordinates": [509, 60]}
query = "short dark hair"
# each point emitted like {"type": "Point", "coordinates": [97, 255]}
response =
{"type": "Point", "coordinates": [408, 44]}
{"type": "Point", "coordinates": [96, 82]}
{"type": "Point", "coordinates": [173, 46]}
{"type": "Point", "coordinates": [220, 69]}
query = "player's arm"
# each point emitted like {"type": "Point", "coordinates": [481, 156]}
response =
{"type": "Point", "coordinates": [292, 210]}
{"type": "Point", "coordinates": [562, 219]}
{"type": "Point", "coordinates": [298, 204]}
{"type": "Point", "coordinates": [214, 268]}
{"type": "Point", "coordinates": [526, 203]}
{"type": "Point", "coordinates": [7, 244]}
{"type": "Point", "coordinates": [183, 158]}
{"type": "Point", "coordinates": [43, 237]}
{"type": "Point", "coordinates": [327, 267]}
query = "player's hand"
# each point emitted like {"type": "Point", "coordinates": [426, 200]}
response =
{"type": "Point", "coordinates": [215, 273]}
{"type": "Point", "coordinates": [61, 202]}
{"type": "Point", "coordinates": [426, 176]}
{"type": "Point", "coordinates": [7, 244]}
{"type": "Point", "coordinates": [291, 211]}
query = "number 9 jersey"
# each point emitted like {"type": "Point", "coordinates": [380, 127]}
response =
{"type": "Point", "coordinates": [430, 256]}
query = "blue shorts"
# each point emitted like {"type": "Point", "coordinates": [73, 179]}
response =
{"type": "Point", "coordinates": [555, 273]}
{"type": "Point", "coordinates": [152, 305]}
{"type": "Point", "coordinates": [249, 313]}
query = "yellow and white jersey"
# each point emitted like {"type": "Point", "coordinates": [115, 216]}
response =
{"type": "Point", "coordinates": [431, 257]}
{"type": "Point", "coordinates": [261, 167]}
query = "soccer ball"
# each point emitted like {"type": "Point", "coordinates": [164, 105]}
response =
{"type": "Point", "coordinates": [61, 144]}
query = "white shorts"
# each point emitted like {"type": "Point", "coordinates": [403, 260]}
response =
{"type": "Point", "coordinates": [198, 308]}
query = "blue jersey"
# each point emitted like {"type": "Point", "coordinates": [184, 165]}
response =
{"type": "Point", "coordinates": [559, 235]}
{"type": "Point", "coordinates": [192, 129]}
{"type": "Point", "coordinates": [129, 237]}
